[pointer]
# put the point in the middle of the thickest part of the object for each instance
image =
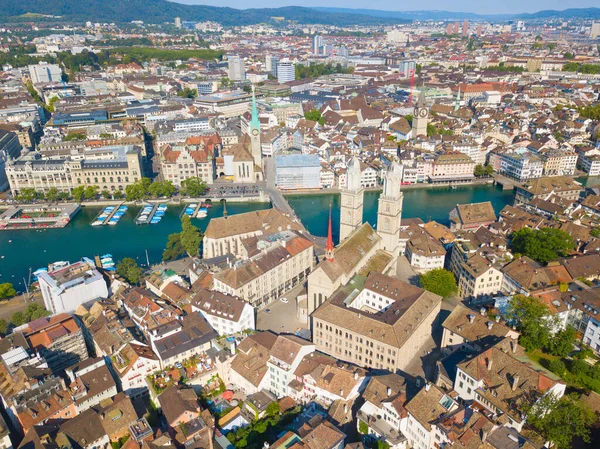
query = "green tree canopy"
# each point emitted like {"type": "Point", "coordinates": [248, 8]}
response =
{"type": "Point", "coordinates": [7, 290]}
{"type": "Point", "coordinates": [35, 311]}
{"type": "Point", "coordinates": [543, 245]}
{"type": "Point", "coordinates": [18, 319]}
{"type": "Point", "coordinates": [3, 327]}
{"type": "Point", "coordinates": [130, 270]}
{"type": "Point", "coordinates": [193, 187]}
{"type": "Point", "coordinates": [560, 420]}
{"type": "Point", "coordinates": [190, 236]}
{"type": "Point", "coordinates": [532, 318]}
{"type": "Point", "coordinates": [27, 195]}
{"type": "Point", "coordinates": [439, 281]}
{"type": "Point", "coordinates": [78, 193]}
{"type": "Point", "coordinates": [174, 249]}
{"type": "Point", "coordinates": [52, 194]}
{"type": "Point", "coordinates": [315, 116]}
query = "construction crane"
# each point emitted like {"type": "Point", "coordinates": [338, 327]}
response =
{"type": "Point", "coordinates": [412, 85]}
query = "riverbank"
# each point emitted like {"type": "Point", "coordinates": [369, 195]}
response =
{"type": "Point", "coordinates": [335, 190]}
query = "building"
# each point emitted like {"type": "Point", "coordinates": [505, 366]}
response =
{"type": "Point", "coordinates": [272, 265]}
{"type": "Point", "coordinates": [67, 288]}
{"type": "Point", "coordinates": [595, 30]}
{"type": "Point", "coordinates": [452, 167]}
{"type": "Point", "coordinates": [225, 235]}
{"type": "Point", "coordinates": [91, 382]}
{"type": "Point", "coordinates": [521, 167]}
{"type": "Point", "coordinates": [472, 216]}
{"type": "Point", "coordinates": [132, 363]}
{"type": "Point", "coordinates": [543, 188]}
{"type": "Point", "coordinates": [58, 340]}
{"type": "Point", "coordinates": [249, 366]}
{"type": "Point", "coordinates": [420, 116]}
{"type": "Point", "coordinates": [271, 64]}
{"type": "Point", "coordinates": [45, 73]}
{"type": "Point", "coordinates": [226, 314]}
{"type": "Point", "coordinates": [254, 132]}
{"type": "Point", "coordinates": [110, 168]}
{"type": "Point", "coordinates": [351, 201]}
{"type": "Point", "coordinates": [286, 72]}
{"type": "Point", "coordinates": [195, 159]}
{"type": "Point", "coordinates": [503, 384]}
{"type": "Point", "coordinates": [375, 322]}
{"type": "Point", "coordinates": [407, 68]}
{"type": "Point", "coordinates": [298, 171]}
{"type": "Point", "coordinates": [10, 147]}
{"type": "Point", "coordinates": [423, 251]}
{"type": "Point", "coordinates": [317, 44]}
{"type": "Point", "coordinates": [285, 356]}
{"type": "Point", "coordinates": [236, 70]}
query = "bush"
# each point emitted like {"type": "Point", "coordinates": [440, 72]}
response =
{"type": "Point", "coordinates": [439, 281]}
{"type": "Point", "coordinates": [579, 367]}
{"type": "Point", "coordinates": [363, 427]}
{"type": "Point", "coordinates": [556, 366]}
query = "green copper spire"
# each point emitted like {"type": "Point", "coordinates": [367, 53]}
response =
{"type": "Point", "coordinates": [254, 122]}
{"type": "Point", "coordinates": [457, 104]}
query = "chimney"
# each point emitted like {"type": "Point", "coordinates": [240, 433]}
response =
{"type": "Point", "coordinates": [341, 392]}
{"type": "Point", "coordinates": [497, 318]}
{"type": "Point", "coordinates": [427, 386]}
{"type": "Point", "coordinates": [355, 375]}
{"type": "Point", "coordinates": [389, 391]}
{"type": "Point", "coordinates": [471, 318]}
{"type": "Point", "coordinates": [513, 346]}
{"type": "Point", "coordinates": [515, 382]}
{"type": "Point", "coordinates": [482, 311]}
{"type": "Point", "coordinates": [488, 363]}
{"type": "Point", "coordinates": [484, 435]}
{"type": "Point", "coordinates": [490, 325]}
{"type": "Point", "coordinates": [345, 409]}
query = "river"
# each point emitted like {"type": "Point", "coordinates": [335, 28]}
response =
{"type": "Point", "coordinates": [34, 249]}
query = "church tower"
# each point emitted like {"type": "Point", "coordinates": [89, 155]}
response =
{"type": "Point", "coordinates": [389, 209]}
{"type": "Point", "coordinates": [420, 116]}
{"type": "Point", "coordinates": [351, 208]}
{"type": "Point", "coordinates": [457, 103]}
{"type": "Point", "coordinates": [254, 129]}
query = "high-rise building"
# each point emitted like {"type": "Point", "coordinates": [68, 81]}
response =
{"type": "Point", "coordinates": [45, 73]}
{"type": "Point", "coordinates": [449, 28]}
{"type": "Point", "coordinates": [351, 208]}
{"type": "Point", "coordinates": [286, 72]}
{"type": "Point", "coordinates": [406, 68]}
{"type": "Point", "coordinates": [456, 28]}
{"type": "Point", "coordinates": [317, 44]}
{"type": "Point", "coordinates": [271, 63]}
{"type": "Point", "coordinates": [178, 22]}
{"type": "Point", "coordinates": [396, 37]}
{"type": "Point", "coordinates": [595, 30]}
{"type": "Point", "coordinates": [237, 71]}
{"type": "Point", "coordinates": [479, 30]}
{"type": "Point", "coordinates": [465, 27]}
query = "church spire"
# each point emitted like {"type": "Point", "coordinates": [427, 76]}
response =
{"type": "Point", "coordinates": [421, 100]}
{"type": "Point", "coordinates": [457, 104]}
{"type": "Point", "coordinates": [254, 122]}
{"type": "Point", "coordinates": [329, 244]}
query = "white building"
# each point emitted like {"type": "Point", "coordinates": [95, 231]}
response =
{"type": "Point", "coordinates": [286, 72]}
{"type": "Point", "coordinates": [226, 314]}
{"type": "Point", "coordinates": [285, 356]}
{"type": "Point", "coordinates": [298, 171]}
{"type": "Point", "coordinates": [521, 166]}
{"type": "Point", "coordinates": [132, 364]}
{"type": "Point", "coordinates": [236, 69]}
{"type": "Point", "coordinates": [91, 383]}
{"type": "Point", "coordinates": [67, 288]}
{"type": "Point", "coordinates": [592, 333]}
{"type": "Point", "coordinates": [45, 73]}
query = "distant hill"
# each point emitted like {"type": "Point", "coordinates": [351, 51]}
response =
{"type": "Point", "coordinates": [158, 11]}
{"type": "Point", "coordinates": [585, 13]}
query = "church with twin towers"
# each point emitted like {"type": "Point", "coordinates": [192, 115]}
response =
{"type": "Point", "coordinates": [360, 247]}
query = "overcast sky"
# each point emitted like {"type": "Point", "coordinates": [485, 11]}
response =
{"type": "Point", "coordinates": [476, 6]}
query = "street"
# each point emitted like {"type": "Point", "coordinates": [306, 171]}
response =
{"type": "Point", "coordinates": [283, 316]}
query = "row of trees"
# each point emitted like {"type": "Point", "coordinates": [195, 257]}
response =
{"type": "Point", "coordinates": [138, 191]}
{"type": "Point", "coordinates": [33, 312]}
{"type": "Point", "coordinates": [581, 68]}
{"type": "Point", "coordinates": [483, 170]}
{"type": "Point", "coordinates": [314, 70]}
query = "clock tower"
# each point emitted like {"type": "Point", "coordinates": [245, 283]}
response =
{"type": "Point", "coordinates": [254, 129]}
{"type": "Point", "coordinates": [420, 116]}
{"type": "Point", "coordinates": [389, 209]}
{"type": "Point", "coordinates": [351, 207]}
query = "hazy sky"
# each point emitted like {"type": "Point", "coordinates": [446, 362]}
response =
{"type": "Point", "coordinates": [476, 6]}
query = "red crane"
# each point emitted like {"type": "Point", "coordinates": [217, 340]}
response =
{"type": "Point", "coordinates": [412, 85]}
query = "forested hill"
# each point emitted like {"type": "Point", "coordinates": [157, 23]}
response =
{"type": "Point", "coordinates": [158, 11]}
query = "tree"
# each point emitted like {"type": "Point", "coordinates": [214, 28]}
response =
{"type": "Point", "coordinates": [18, 319]}
{"type": "Point", "coordinates": [138, 190]}
{"type": "Point", "coordinates": [187, 93]}
{"type": "Point", "coordinates": [129, 269]}
{"type": "Point", "coordinates": [532, 318]}
{"type": "Point", "coordinates": [489, 170]}
{"type": "Point", "coordinates": [74, 136]}
{"type": "Point", "coordinates": [561, 343]}
{"type": "Point", "coordinates": [118, 195]}
{"type": "Point", "coordinates": [78, 193]}
{"type": "Point", "coordinates": [315, 116]}
{"type": "Point", "coordinates": [543, 245]}
{"type": "Point", "coordinates": [568, 55]}
{"type": "Point", "coordinates": [27, 195]}
{"type": "Point", "coordinates": [52, 194]}
{"type": "Point", "coordinates": [7, 290]}
{"type": "Point", "coordinates": [439, 281]}
{"type": "Point", "coordinates": [190, 236]}
{"type": "Point", "coordinates": [193, 187]}
{"type": "Point", "coordinates": [35, 311]}
{"type": "Point", "coordinates": [174, 248]}
{"type": "Point", "coordinates": [158, 188]}
{"type": "Point", "coordinates": [273, 409]}
{"type": "Point", "coordinates": [479, 170]}
{"type": "Point", "coordinates": [3, 327]}
{"type": "Point", "coordinates": [90, 192]}
{"type": "Point", "coordinates": [560, 420]}
{"type": "Point", "coordinates": [106, 194]}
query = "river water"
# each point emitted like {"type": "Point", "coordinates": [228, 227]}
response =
{"type": "Point", "coordinates": [33, 249]}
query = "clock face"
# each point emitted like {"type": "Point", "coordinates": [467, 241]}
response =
{"type": "Point", "coordinates": [423, 112]}
{"type": "Point", "coordinates": [255, 132]}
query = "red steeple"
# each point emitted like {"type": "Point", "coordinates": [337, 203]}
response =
{"type": "Point", "coordinates": [329, 244]}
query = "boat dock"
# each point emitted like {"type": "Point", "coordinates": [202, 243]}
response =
{"type": "Point", "coordinates": [146, 214]}
{"type": "Point", "coordinates": [190, 210]}
{"type": "Point", "coordinates": [107, 214]}
{"type": "Point", "coordinates": [40, 216]}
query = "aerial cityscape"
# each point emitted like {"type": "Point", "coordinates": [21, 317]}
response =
{"type": "Point", "coordinates": [303, 225]}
